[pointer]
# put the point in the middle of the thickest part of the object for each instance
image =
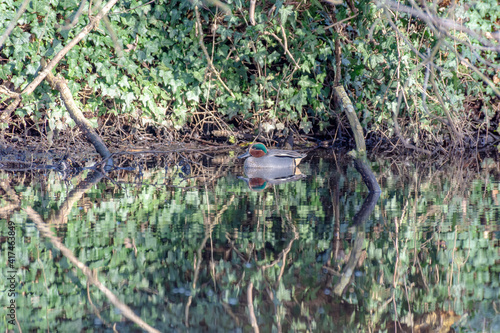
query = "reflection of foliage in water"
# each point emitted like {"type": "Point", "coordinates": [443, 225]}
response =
{"type": "Point", "coordinates": [430, 249]}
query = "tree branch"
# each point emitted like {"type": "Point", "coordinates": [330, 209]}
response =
{"type": "Point", "coordinates": [441, 25]}
{"type": "Point", "coordinates": [13, 23]}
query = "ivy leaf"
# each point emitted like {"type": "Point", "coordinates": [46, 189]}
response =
{"type": "Point", "coordinates": [128, 98]}
{"type": "Point", "coordinates": [299, 100]}
{"type": "Point", "coordinates": [124, 82]}
{"type": "Point", "coordinates": [285, 12]}
{"type": "Point", "coordinates": [145, 97]}
{"type": "Point", "coordinates": [111, 91]}
{"type": "Point", "coordinates": [194, 95]}
{"type": "Point", "coordinates": [306, 126]}
{"type": "Point", "coordinates": [31, 69]}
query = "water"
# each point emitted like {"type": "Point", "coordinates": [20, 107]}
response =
{"type": "Point", "coordinates": [192, 247]}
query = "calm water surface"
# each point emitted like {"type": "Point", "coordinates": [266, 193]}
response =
{"type": "Point", "coordinates": [184, 242]}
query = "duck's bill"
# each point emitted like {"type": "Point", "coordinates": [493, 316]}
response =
{"type": "Point", "coordinates": [244, 155]}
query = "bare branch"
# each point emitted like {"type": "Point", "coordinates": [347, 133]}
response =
{"type": "Point", "coordinates": [76, 114]}
{"type": "Point", "coordinates": [252, 12]}
{"type": "Point", "coordinates": [441, 25]}
{"type": "Point", "coordinates": [283, 45]}
{"type": "Point", "coordinates": [74, 20]}
{"type": "Point", "coordinates": [199, 29]}
{"type": "Point", "coordinates": [13, 23]}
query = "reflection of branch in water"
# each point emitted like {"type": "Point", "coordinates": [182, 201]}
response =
{"type": "Point", "coordinates": [61, 216]}
{"type": "Point", "coordinates": [348, 269]}
{"type": "Point", "coordinates": [127, 161]}
{"type": "Point", "coordinates": [94, 308]}
{"type": "Point", "coordinates": [269, 289]}
{"type": "Point", "coordinates": [358, 221]}
{"type": "Point", "coordinates": [230, 313]}
{"type": "Point", "coordinates": [396, 268]}
{"type": "Point", "coordinates": [186, 167]}
{"type": "Point", "coordinates": [7, 209]}
{"type": "Point", "coordinates": [198, 257]}
{"type": "Point", "coordinates": [333, 185]}
{"type": "Point", "coordinates": [368, 176]}
{"type": "Point", "coordinates": [281, 256]}
{"type": "Point", "coordinates": [15, 204]}
{"type": "Point", "coordinates": [44, 228]}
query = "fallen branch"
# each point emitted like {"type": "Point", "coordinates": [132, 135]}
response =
{"type": "Point", "coordinates": [348, 108]}
{"type": "Point", "coordinates": [75, 113]}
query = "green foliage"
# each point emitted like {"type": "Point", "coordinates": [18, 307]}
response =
{"type": "Point", "coordinates": [157, 69]}
{"type": "Point", "coordinates": [162, 69]}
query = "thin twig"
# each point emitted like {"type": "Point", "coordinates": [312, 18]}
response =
{"type": "Point", "coordinates": [204, 49]}
{"type": "Point", "coordinates": [284, 46]}
{"type": "Point", "coordinates": [340, 22]}
{"type": "Point", "coordinates": [440, 25]}
{"type": "Point", "coordinates": [13, 23]}
{"type": "Point", "coordinates": [74, 20]}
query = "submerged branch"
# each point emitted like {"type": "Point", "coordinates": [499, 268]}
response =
{"type": "Point", "coordinates": [368, 177]}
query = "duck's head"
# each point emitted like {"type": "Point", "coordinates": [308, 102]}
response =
{"type": "Point", "coordinates": [255, 150]}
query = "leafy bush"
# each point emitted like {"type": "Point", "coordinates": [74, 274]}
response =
{"type": "Point", "coordinates": [146, 60]}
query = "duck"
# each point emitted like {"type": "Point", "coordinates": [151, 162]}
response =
{"type": "Point", "coordinates": [259, 157]}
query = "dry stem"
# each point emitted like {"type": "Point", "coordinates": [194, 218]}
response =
{"type": "Point", "coordinates": [204, 49]}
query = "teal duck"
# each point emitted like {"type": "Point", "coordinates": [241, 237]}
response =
{"type": "Point", "coordinates": [258, 156]}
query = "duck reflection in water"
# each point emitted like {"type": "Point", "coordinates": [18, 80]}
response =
{"type": "Point", "coordinates": [266, 167]}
